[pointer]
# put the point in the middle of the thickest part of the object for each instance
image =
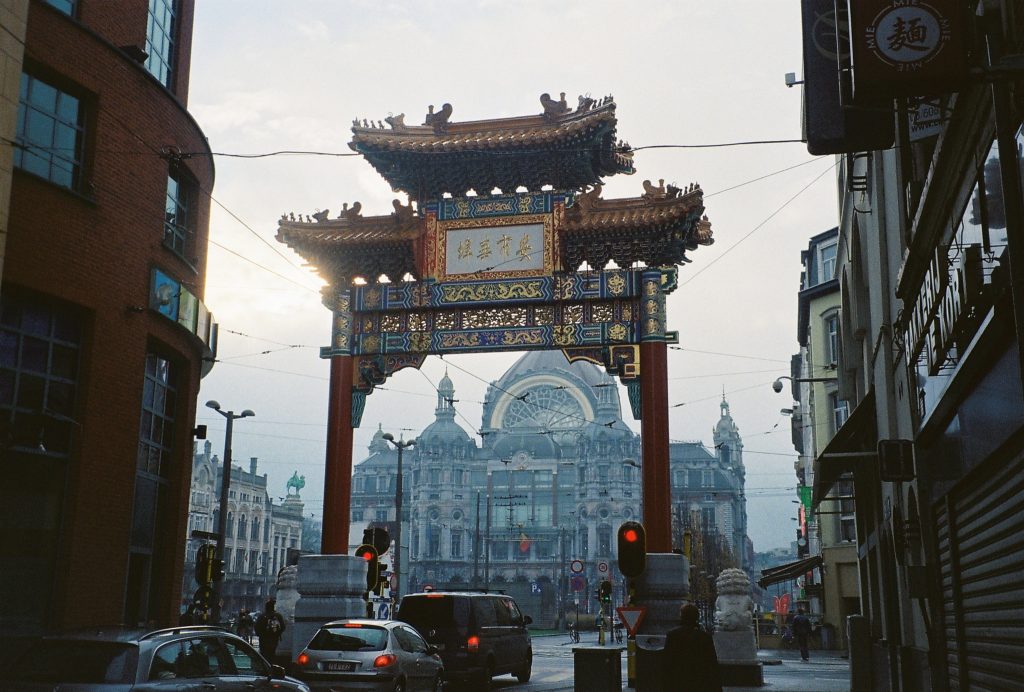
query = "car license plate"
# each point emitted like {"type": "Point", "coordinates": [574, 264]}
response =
{"type": "Point", "coordinates": [339, 666]}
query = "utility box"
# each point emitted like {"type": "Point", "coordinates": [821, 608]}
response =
{"type": "Point", "coordinates": [597, 668]}
{"type": "Point", "coordinates": [650, 651]}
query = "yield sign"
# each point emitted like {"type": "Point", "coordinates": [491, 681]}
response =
{"type": "Point", "coordinates": [631, 617]}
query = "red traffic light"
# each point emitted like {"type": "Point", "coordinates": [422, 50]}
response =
{"type": "Point", "coordinates": [632, 548]}
{"type": "Point", "coordinates": [366, 553]}
{"type": "Point", "coordinates": [630, 536]}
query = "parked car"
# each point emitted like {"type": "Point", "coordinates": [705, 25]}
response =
{"type": "Point", "coordinates": [380, 655]}
{"type": "Point", "coordinates": [118, 660]}
{"type": "Point", "coordinates": [478, 635]}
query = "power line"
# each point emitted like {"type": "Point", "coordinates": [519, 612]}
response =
{"type": "Point", "coordinates": [732, 247]}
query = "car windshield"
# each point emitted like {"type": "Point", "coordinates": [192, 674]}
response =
{"type": "Point", "coordinates": [362, 638]}
{"type": "Point", "coordinates": [82, 662]}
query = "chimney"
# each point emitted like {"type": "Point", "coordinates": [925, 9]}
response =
{"type": "Point", "coordinates": [252, 465]}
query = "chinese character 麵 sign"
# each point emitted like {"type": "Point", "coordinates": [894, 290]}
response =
{"type": "Point", "coordinates": [494, 249]}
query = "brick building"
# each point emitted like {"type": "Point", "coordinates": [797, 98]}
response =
{"type": "Point", "coordinates": [103, 332]}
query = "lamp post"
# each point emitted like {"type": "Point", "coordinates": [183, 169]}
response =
{"type": "Point", "coordinates": [225, 483]}
{"type": "Point", "coordinates": [400, 445]}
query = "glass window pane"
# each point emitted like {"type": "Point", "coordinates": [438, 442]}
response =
{"type": "Point", "coordinates": [43, 95]}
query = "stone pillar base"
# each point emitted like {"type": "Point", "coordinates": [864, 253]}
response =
{"type": "Point", "coordinates": [662, 588]}
{"type": "Point", "coordinates": [330, 587]}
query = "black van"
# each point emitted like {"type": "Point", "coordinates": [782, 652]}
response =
{"type": "Point", "coordinates": [477, 635]}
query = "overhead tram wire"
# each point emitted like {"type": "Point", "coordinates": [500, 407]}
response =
{"type": "Point", "coordinates": [754, 230]}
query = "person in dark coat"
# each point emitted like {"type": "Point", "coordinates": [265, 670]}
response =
{"type": "Point", "coordinates": [689, 660]}
{"type": "Point", "coordinates": [802, 630]}
{"type": "Point", "coordinates": [269, 628]}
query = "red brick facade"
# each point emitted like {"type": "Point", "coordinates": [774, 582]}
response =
{"type": "Point", "coordinates": [93, 250]}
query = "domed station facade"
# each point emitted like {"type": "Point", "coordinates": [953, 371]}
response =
{"type": "Point", "coordinates": [555, 474]}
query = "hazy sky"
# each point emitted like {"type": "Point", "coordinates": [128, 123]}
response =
{"type": "Point", "coordinates": [269, 76]}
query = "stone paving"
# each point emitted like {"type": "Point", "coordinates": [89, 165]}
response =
{"type": "Point", "coordinates": [783, 670]}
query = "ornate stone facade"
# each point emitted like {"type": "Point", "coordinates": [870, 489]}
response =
{"type": "Point", "coordinates": [556, 473]}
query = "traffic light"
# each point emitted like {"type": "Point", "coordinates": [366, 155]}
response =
{"type": "Point", "coordinates": [378, 537]}
{"type": "Point", "coordinates": [382, 579]}
{"type": "Point", "coordinates": [802, 549]}
{"type": "Point", "coordinates": [632, 548]}
{"type": "Point", "coordinates": [217, 570]}
{"type": "Point", "coordinates": [369, 555]}
{"type": "Point", "coordinates": [605, 591]}
{"type": "Point", "coordinates": [204, 564]}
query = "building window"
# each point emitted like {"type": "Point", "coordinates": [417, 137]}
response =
{"type": "Point", "coordinates": [707, 479]}
{"type": "Point", "coordinates": [159, 398]}
{"type": "Point", "coordinates": [827, 261]}
{"type": "Point", "coordinates": [840, 411]}
{"type": "Point", "coordinates": [357, 515]}
{"type": "Point", "coordinates": [381, 516]}
{"type": "Point", "coordinates": [49, 133]}
{"type": "Point", "coordinates": [847, 510]}
{"type": "Point", "coordinates": [604, 541]}
{"type": "Point", "coordinates": [707, 515]}
{"type": "Point", "coordinates": [456, 543]}
{"type": "Point", "coordinates": [239, 565]}
{"type": "Point", "coordinates": [230, 526]}
{"type": "Point", "coordinates": [65, 6]}
{"type": "Point", "coordinates": [266, 530]}
{"type": "Point", "coordinates": [39, 352]}
{"type": "Point", "coordinates": [178, 212]}
{"type": "Point", "coordinates": [160, 46]}
{"type": "Point", "coordinates": [581, 475]}
{"type": "Point", "coordinates": [832, 339]}
{"type": "Point", "coordinates": [255, 533]}
{"type": "Point", "coordinates": [584, 543]}
{"type": "Point", "coordinates": [241, 527]}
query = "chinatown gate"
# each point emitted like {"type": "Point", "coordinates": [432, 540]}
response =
{"type": "Point", "coordinates": [471, 271]}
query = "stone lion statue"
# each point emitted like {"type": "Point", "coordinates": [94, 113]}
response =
{"type": "Point", "coordinates": [733, 609]}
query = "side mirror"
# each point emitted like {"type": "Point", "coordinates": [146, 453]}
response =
{"type": "Point", "coordinates": [527, 620]}
{"type": "Point", "coordinates": [432, 650]}
{"type": "Point", "coordinates": [276, 672]}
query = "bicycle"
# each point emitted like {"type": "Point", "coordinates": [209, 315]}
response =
{"type": "Point", "coordinates": [574, 633]}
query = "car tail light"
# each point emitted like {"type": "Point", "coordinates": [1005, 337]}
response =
{"type": "Point", "coordinates": [303, 659]}
{"type": "Point", "coordinates": [384, 660]}
{"type": "Point", "coordinates": [352, 624]}
{"type": "Point", "coordinates": [473, 643]}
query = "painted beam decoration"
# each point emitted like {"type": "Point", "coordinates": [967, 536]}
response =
{"type": "Point", "coordinates": [456, 271]}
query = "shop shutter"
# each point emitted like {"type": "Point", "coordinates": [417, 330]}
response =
{"type": "Point", "coordinates": [980, 531]}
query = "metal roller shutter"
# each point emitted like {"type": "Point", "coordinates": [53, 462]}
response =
{"type": "Point", "coordinates": [981, 554]}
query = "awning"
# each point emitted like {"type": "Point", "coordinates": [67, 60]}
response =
{"type": "Point", "coordinates": [791, 570]}
{"type": "Point", "coordinates": [853, 445]}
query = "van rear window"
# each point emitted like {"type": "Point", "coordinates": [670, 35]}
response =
{"type": "Point", "coordinates": [435, 612]}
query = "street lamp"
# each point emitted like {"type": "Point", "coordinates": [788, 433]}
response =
{"type": "Point", "coordinates": [225, 483]}
{"type": "Point", "coordinates": [400, 445]}
{"type": "Point", "coordinates": [777, 384]}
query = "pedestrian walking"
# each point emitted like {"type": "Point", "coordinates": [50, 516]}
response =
{"type": "Point", "coordinates": [269, 628]}
{"type": "Point", "coordinates": [802, 630]}
{"type": "Point", "coordinates": [245, 625]}
{"type": "Point", "coordinates": [689, 661]}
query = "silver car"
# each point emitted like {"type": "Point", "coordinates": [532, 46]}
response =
{"type": "Point", "coordinates": [119, 660]}
{"type": "Point", "coordinates": [383, 655]}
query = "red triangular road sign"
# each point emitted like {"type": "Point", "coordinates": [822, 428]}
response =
{"type": "Point", "coordinates": [631, 617]}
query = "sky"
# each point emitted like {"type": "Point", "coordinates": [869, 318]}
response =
{"type": "Point", "coordinates": [270, 76]}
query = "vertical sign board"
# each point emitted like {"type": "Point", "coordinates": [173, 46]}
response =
{"type": "Point", "coordinates": [906, 47]}
{"type": "Point", "coordinates": [828, 126]}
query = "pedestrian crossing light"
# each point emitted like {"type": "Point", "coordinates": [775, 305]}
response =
{"type": "Point", "coordinates": [605, 591]}
{"type": "Point", "coordinates": [632, 548]}
{"type": "Point", "coordinates": [369, 555]}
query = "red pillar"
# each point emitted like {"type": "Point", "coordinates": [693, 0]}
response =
{"type": "Point", "coordinates": [338, 470]}
{"type": "Point", "coordinates": [657, 509]}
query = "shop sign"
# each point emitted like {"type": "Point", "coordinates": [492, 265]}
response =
{"type": "Point", "coordinates": [935, 320]}
{"type": "Point", "coordinates": [906, 47]}
{"type": "Point", "coordinates": [829, 127]}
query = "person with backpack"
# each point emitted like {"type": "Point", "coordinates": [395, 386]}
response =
{"type": "Point", "coordinates": [269, 628]}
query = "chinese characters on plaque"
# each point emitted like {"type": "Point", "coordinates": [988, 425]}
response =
{"type": "Point", "coordinates": [494, 249]}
